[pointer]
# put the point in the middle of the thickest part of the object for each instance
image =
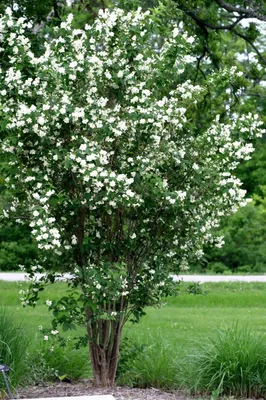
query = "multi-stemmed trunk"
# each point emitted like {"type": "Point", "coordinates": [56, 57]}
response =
{"type": "Point", "coordinates": [104, 340]}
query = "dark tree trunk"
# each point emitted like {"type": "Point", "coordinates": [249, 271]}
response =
{"type": "Point", "coordinates": [104, 340]}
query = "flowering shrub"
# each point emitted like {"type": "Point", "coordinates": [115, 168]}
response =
{"type": "Point", "coordinates": [120, 187]}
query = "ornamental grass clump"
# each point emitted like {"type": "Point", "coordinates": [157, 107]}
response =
{"type": "Point", "coordinates": [119, 183]}
{"type": "Point", "coordinates": [148, 365]}
{"type": "Point", "coordinates": [14, 344]}
{"type": "Point", "coordinates": [233, 363]}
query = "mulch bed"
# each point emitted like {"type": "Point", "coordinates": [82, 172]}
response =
{"type": "Point", "coordinates": [85, 388]}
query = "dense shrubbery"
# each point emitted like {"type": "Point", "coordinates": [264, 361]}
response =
{"type": "Point", "coordinates": [16, 247]}
{"type": "Point", "coordinates": [48, 363]}
{"type": "Point", "coordinates": [245, 241]}
{"type": "Point", "coordinates": [244, 250]}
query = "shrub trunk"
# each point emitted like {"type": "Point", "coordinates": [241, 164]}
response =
{"type": "Point", "coordinates": [104, 340]}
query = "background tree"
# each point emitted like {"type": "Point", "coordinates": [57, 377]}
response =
{"type": "Point", "coordinates": [244, 249]}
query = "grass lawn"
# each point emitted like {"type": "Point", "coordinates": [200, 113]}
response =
{"type": "Point", "coordinates": [163, 338]}
{"type": "Point", "coordinates": [32, 318]}
{"type": "Point", "coordinates": [181, 321]}
{"type": "Point", "coordinates": [187, 318]}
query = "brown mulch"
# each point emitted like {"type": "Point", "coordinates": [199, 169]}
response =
{"type": "Point", "coordinates": [85, 388]}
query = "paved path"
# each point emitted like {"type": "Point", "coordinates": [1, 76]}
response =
{"type": "Point", "coordinates": [20, 276]}
{"type": "Point", "coordinates": [222, 278]}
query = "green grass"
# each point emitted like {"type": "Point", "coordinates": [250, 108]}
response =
{"type": "Point", "coordinates": [169, 333]}
{"type": "Point", "coordinates": [181, 320]}
{"type": "Point", "coordinates": [32, 317]}
{"type": "Point", "coordinates": [187, 319]}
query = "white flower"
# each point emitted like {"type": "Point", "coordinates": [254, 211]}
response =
{"type": "Point", "coordinates": [175, 32]}
{"type": "Point", "coordinates": [74, 239]}
{"type": "Point", "coordinates": [190, 39]}
{"type": "Point", "coordinates": [41, 120]}
{"type": "Point", "coordinates": [46, 338]}
{"type": "Point", "coordinates": [133, 236]}
{"type": "Point", "coordinates": [83, 147]}
{"type": "Point", "coordinates": [54, 332]}
{"type": "Point", "coordinates": [130, 193]}
{"type": "Point", "coordinates": [94, 173]}
{"type": "Point", "coordinates": [48, 303]}
{"type": "Point", "coordinates": [139, 57]}
{"type": "Point", "coordinates": [122, 125]}
{"type": "Point", "coordinates": [73, 64]}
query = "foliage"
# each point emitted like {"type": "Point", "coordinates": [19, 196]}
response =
{"type": "Point", "coordinates": [110, 170]}
{"type": "Point", "coordinates": [32, 10]}
{"type": "Point", "coordinates": [149, 365]}
{"type": "Point", "coordinates": [221, 39]}
{"type": "Point", "coordinates": [233, 363]}
{"type": "Point", "coordinates": [13, 347]}
{"type": "Point", "coordinates": [253, 172]}
{"type": "Point", "coordinates": [47, 363]}
{"type": "Point", "coordinates": [16, 247]}
{"type": "Point", "coordinates": [85, 12]}
{"type": "Point", "coordinates": [245, 237]}
{"type": "Point", "coordinates": [130, 350]}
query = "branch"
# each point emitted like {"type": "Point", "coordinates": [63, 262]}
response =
{"type": "Point", "coordinates": [203, 24]}
{"type": "Point", "coordinates": [56, 10]}
{"type": "Point", "coordinates": [54, 13]}
{"type": "Point", "coordinates": [198, 21]}
{"type": "Point", "coordinates": [38, 27]}
{"type": "Point", "coordinates": [263, 59]}
{"type": "Point", "coordinates": [198, 63]}
{"type": "Point", "coordinates": [245, 12]}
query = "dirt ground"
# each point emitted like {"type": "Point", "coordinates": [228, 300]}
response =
{"type": "Point", "coordinates": [85, 388]}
